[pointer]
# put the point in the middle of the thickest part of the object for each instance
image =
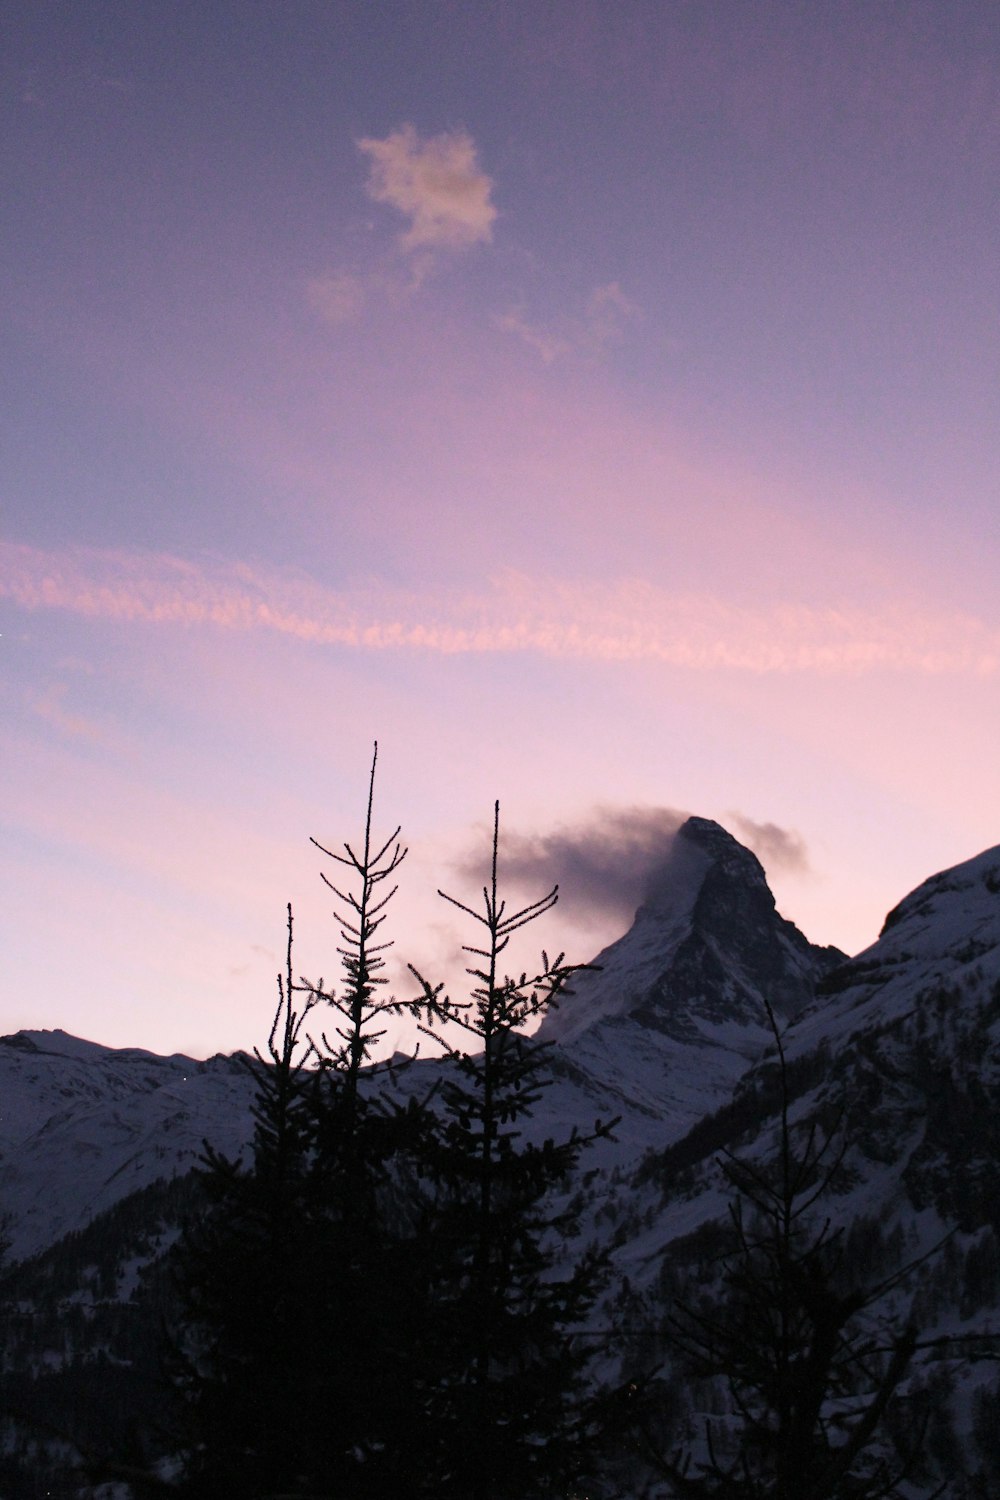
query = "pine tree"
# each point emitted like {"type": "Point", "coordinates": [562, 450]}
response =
{"type": "Point", "coordinates": [239, 1341]}
{"type": "Point", "coordinates": [376, 1302]}
{"type": "Point", "coordinates": [293, 1281]}
{"type": "Point", "coordinates": [366, 1287]}
{"type": "Point", "coordinates": [503, 1377]}
{"type": "Point", "coordinates": [796, 1333]}
{"type": "Point", "coordinates": [360, 1007]}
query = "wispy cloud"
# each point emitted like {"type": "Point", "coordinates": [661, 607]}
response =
{"type": "Point", "coordinates": [602, 321]}
{"type": "Point", "coordinates": [608, 862]}
{"type": "Point", "coordinates": [436, 183]}
{"type": "Point", "coordinates": [777, 848]}
{"type": "Point", "coordinates": [547, 345]}
{"type": "Point", "coordinates": [608, 311]}
{"type": "Point", "coordinates": [603, 864]}
{"type": "Point", "coordinates": [51, 707]}
{"type": "Point", "coordinates": [624, 620]}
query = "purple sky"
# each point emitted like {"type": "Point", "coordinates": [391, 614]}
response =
{"type": "Point", "coordinates": [596, 403]}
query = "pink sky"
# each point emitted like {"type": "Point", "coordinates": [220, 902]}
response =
{"type": "Point", "coordinates": [596, 405]}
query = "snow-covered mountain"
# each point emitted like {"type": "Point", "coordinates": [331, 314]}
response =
{"type": "Point", "coordinates": [673, 1013]}
{"type": "Point", "coordinates": [898, 1049]}
{"type": "Point", "coordinates": [944, 933]}
{"type": "Point", "coordinates": [82, 1126]}
{"type": "Point", "coordinates": [896, 1060]}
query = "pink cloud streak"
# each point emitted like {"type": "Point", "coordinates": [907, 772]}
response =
{"type": "Point", "coordinates": [622, 620]}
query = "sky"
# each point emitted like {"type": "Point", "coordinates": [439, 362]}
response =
{"type": "Point", "coordinates": [593, 403]}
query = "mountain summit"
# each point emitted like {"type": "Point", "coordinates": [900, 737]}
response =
{"type": "Point", "coordinates": [673, 1013]}
{"type": "Point", "coordinates": [706, 948]}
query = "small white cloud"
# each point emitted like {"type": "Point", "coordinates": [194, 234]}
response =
{"type": "Point", "coordinates": [337, 298]}
{"type": "Point", "coordinates": [436, 183]}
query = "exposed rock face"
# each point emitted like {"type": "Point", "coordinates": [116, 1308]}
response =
{"type": "Point", "coordinates": [706, 949]}
{"type": "Point", "coordinates": [738, 950]}
{"type": "Point", "coordinates": [673, 1013]}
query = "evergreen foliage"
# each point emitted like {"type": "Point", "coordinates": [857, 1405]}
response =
{"type": "Point", "coordinates": [372, 1302]}
{"type": "Point", "coordinates": [795, 1333]}
{"type": "Point", "coordinates": [505, 1408]}
{"type": "Point", "coordinates": [244, 1332]}
{"type": "Point", "coordinates": [294, 1283]}
{"type": "Point", "coordinates": [360, 1006]}
{"type": "Point", "coordinates": [366, 1284]}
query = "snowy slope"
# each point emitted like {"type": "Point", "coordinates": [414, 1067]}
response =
{"type": "Point", "coordinates": [899, 1058]}
{"type": "Point", "coordinates": [82, 1125]}
{"type": "Point", "coordinates": [946, 932]}
{"type": "Point", "coordinates": [673, 1013]}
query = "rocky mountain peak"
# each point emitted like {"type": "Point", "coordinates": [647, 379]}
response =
{"type": "Point", "coordinates": [701, 854]}
{"type": "Point", "coordinates": [727, 856]}
{"type": "Point", "coordinates": [706, 947]}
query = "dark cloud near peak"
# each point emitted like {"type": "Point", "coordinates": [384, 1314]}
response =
{"type": "Point", "coordinates": [606, 864]}
{"type": "Point", "coordinates": [603, 865]}
{"type": "Point", "coordinates": [777, 848]}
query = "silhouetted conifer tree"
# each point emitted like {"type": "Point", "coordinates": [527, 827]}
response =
{"type": "Point", "coordinates": [377, 1302]}
{"type": "Point", "coordinates": [288, 1366]}
{"type": "Point", "coordinates": [367, 1289]}
{"type": "Point", "coordinates": [243, 1316]}
{"type": "Point", "coordinates": [795, 1331]}
{"type": "Point", "coordinates": [502, 1380]}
